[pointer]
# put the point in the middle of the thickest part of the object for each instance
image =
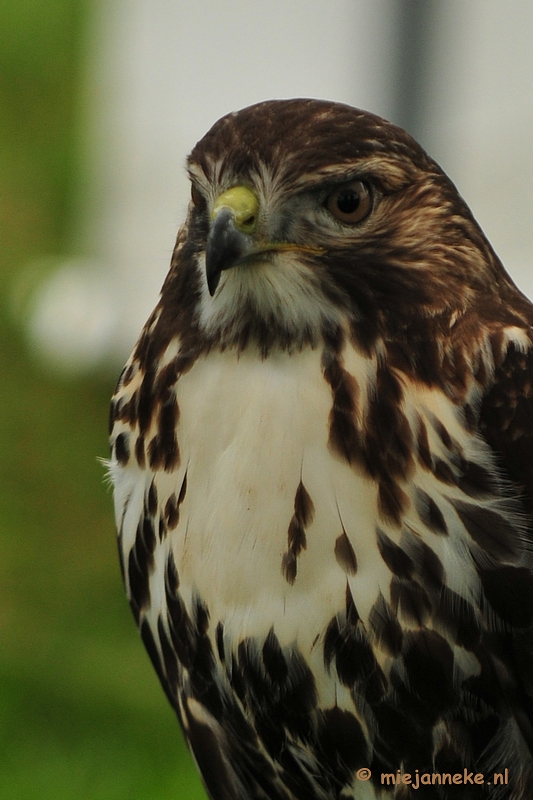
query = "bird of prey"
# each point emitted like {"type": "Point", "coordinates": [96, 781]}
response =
{"type": "Point", "coordinates": [322, 456]}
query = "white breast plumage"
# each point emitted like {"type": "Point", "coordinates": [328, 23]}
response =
{"type": "Point", "coordinates": [273, 533]}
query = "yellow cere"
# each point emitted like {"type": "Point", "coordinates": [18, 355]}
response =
{"type": "Point", "coordinates": [244, 204]}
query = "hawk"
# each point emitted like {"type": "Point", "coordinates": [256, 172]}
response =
{"type": "Point", "coordinates": [322, 457]}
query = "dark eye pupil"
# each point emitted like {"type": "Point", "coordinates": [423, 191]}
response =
{"type": "Point", "coordinates": [348, 201]}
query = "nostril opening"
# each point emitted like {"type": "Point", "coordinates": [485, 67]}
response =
{"type": "Point", "coordinates": [249, 221]}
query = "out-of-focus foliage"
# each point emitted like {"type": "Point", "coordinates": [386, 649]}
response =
{"type": "Point", "coordinates": [81, 712]}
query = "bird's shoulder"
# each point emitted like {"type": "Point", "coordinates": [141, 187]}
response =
{"type": "Point", "coordinates": [506, 411]}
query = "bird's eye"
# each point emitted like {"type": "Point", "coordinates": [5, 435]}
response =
{"type": "Point", "coordinates": [351, 202]}
{"type": "Point", "coordinates": [197, 197]}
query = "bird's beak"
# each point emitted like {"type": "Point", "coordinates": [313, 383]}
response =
{"type": "Point", "coordinates": [234, 220]}
{"type": "Point", "coordinates": [233, 235]}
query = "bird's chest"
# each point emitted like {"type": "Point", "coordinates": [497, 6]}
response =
{"type": "Point", "coordinates": [268, 510]}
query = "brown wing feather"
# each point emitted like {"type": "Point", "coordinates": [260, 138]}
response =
{"type": "Point", "coordinates": [506, 419]}
{"type": "Point", "coordinates": [506, 423]}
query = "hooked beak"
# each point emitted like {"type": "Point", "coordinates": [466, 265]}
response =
{"type": "Point", "coordinates": [226, 244]}
{"type": "Point", "coordinates": [230, 238]}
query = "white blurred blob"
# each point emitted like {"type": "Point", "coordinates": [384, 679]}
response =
{"type": "Point", "coordinates": [72, 319]}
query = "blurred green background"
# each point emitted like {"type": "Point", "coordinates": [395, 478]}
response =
{"type": "Point", "coordinates": [81, 712]}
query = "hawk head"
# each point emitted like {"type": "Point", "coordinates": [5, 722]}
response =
{"type": "Point", "coordinates": [306, 215]}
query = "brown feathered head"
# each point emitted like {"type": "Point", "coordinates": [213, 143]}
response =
{"type": "Point", "coordinates": [307, 215]}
